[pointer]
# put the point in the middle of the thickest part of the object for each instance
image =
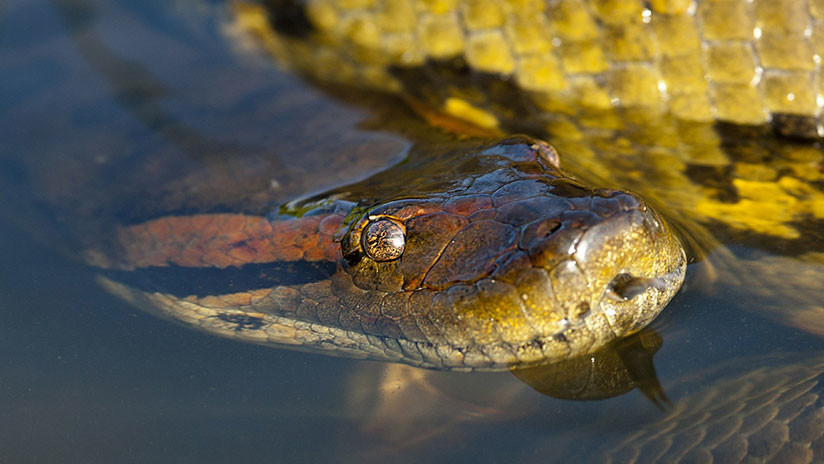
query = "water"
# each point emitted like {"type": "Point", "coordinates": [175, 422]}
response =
{"type": "Point", "coordinates": [85, 377]}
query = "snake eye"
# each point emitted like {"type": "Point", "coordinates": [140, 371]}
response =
{"type": "Point", "coordinates": [383, 240]}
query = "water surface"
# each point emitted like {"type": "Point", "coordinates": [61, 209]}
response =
{"type": "Point", "coordinates": [98, 97]}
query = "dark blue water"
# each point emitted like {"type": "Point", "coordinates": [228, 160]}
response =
{"type": "Point", "coordinates": [85, 377]}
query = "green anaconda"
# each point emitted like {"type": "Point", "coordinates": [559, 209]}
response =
{"type": "Point", "coordinates": [499, 259]}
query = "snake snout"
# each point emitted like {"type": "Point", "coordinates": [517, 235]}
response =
{"type": "Point", "coordinates": [632, 265]}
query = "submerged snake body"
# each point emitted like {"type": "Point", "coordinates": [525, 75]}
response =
{"type": "Point", "coordinates": [506, 261]}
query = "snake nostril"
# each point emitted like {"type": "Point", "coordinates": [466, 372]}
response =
{"type": "Point", "coordinates": [625, 286]}
{"type": "Point", "coordinates": [551, 229]}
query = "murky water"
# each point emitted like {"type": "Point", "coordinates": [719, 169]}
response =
{"type": "Point", "coordinates": [96, 98]}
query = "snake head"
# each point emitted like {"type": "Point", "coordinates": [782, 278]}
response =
{"type": "Point", "coordinates": [509, 260]}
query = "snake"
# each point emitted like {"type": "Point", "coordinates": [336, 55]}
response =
{"type": "Point", "coordinates": [503, 258]}
{"type": "Point", "coordinates": [660, 98]}
{"type": "Point", "coordinates": [423, 305]}
{"type": "Point", "coordinates": [510, 261]}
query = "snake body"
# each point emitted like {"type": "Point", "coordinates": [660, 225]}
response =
{"type": "Point", "coordinates": [769, 414]}
{"type": "Point", "coordinates": [745, 62]}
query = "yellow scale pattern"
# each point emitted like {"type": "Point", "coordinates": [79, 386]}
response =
{"type": "Point", "coordinates": [734, 60]}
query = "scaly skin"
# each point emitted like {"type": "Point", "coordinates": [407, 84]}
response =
{"type": "Point", "coordinates": [769, 414]}
{"type": "Point", "coordinates": [740, 61]}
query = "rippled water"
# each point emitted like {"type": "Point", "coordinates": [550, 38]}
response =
{"type": "Point", "coordinates": [96, 96]}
